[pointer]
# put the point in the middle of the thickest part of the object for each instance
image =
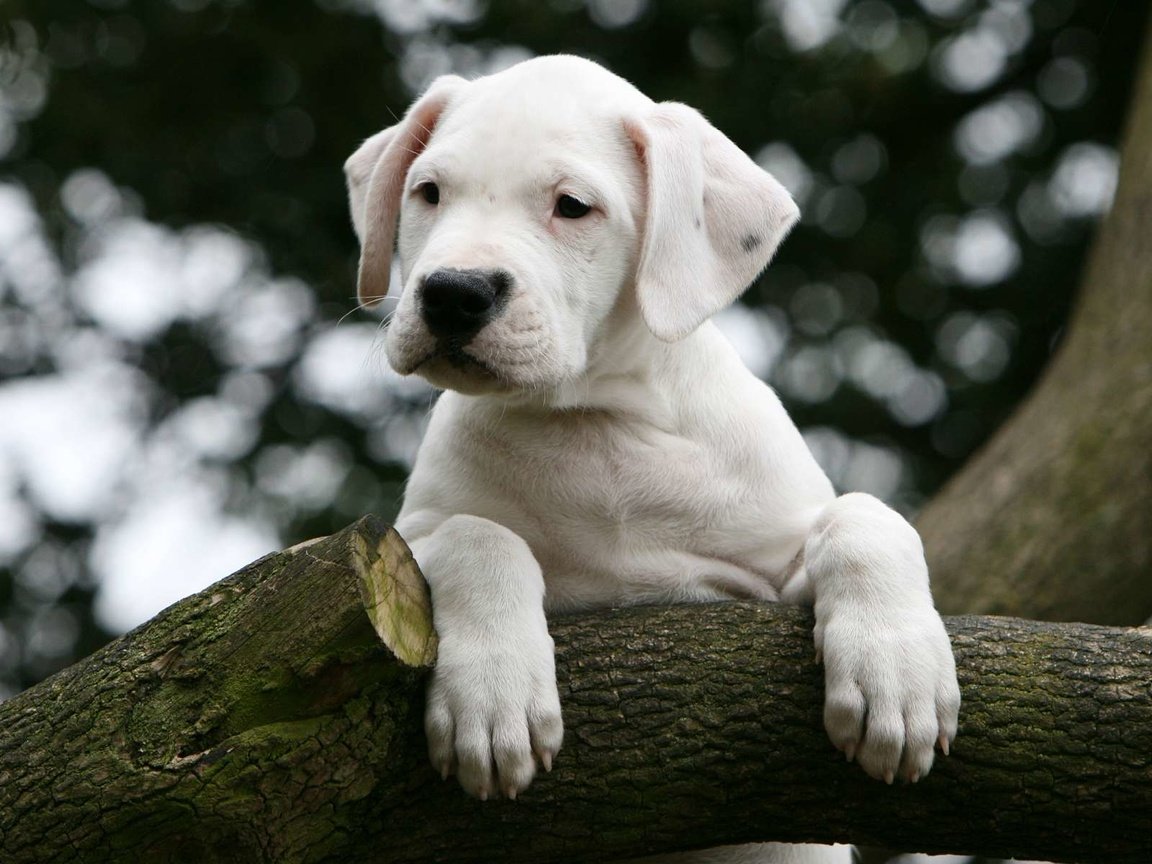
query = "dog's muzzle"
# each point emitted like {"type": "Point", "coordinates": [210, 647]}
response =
{"type": "Point", "coordinates": [456, 304]}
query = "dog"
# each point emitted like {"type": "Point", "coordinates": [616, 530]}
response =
{"type": "Point", "coordinates": [563, 242]}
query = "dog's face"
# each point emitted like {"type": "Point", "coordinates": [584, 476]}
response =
{"type": "Point", "coordinates": [541, 211]}
{"type": "Point", "coordinates": [518, 228]}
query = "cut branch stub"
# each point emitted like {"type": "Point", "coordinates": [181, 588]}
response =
{"type": "Point", "coordinates": [396, 597]}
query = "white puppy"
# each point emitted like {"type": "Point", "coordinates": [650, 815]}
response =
{"type": "Point", "coordinates": [563, 242]}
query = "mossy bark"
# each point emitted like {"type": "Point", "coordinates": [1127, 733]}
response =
{"type": "Point", "coordinates": [1053, 518]}
{"type": "Point", "coordinates": [277, 717]}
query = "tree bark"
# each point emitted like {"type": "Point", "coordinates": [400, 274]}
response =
{"type": "Point", "coordinates": [1053, 518]}
{"type": "Point", "coordinates": [265, 720]}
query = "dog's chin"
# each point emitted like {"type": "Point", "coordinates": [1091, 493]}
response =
{"type": "Point", "coordinates": [455, 369]}
{"type": "Point", "coordinates": [470, 371]}
{"type": "Point", "coordinates": [464, 374]}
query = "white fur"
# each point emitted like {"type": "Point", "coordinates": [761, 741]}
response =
{"type": "Point", "coordinates": [608, 446]}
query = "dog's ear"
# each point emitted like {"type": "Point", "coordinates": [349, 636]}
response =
{"type": "Point", "coordinates": [376, 174]}
{"type": "Point", "coordinates": [713, 219]}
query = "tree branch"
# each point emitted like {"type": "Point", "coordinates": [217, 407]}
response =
{"type": "Point", "coordinates": [263, 720]}
{"type": "Point", "coordinates": [1050, 519]}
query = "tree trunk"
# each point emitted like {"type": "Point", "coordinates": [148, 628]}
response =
{"type": "Point", "coordinates": [263, 720]}
{"type": "Point", "coordinates": [1053, 518]}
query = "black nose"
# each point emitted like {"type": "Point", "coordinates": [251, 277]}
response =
{"type": "Point", "coordinates": [458, 303]}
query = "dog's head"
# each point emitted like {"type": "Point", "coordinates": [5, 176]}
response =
{"type": "Point", "coordinates": [545, 210]}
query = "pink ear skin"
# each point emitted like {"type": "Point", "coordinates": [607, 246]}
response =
{"type": "Point", "coordinates": [376, 174]}
{"type": "Point", "coordinates": [714, 219]}
{"type": "Point", "coordinates": [358, 171]}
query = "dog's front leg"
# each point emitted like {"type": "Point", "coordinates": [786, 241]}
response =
{"type": "Point", "coordinates": [492, 703]}
{"type": "Point", "coordinates": [890, 679]}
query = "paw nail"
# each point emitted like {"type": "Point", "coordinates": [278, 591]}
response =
{"type": "Point", "coordinates": [546, 760]}
{"type": "Point", "coordinates": [445, 771]}
{"type": "Point", "coordinates": [944, 744]}
{"type": "Point", "coordinates": [914, 777]}
{"type": "Point", "coordinates": [889, 777]}
{"type": "Point", "coordinates": [483, 794]}
{"type": "Point", "coordinates": [850, 750]}
{"type": "Point", "coordinates": [511, 793]}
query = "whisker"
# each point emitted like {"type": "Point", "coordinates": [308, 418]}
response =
{"type": "Point", "coordinates": [420, 140]}
{"type": "Point", "coordinates": [408, 150]}
{"type": "Point", "coordinates": [366, 307]}
{"type": "Point", "coordinates": [421, 125]}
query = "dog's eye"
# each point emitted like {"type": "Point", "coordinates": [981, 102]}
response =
{"type": "Point", "coordinates": [571, 208]}
{"type": "Point", "coordinates": [431, 192]}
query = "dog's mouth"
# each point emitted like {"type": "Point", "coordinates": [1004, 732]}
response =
{"type": "Point", "coordinates": [455, 355]}
{"type": "Point", "coordinates": [451, 366]}
{"type": "Point", "coordinates": [497, 363]}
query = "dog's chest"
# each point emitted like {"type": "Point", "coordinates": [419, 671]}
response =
{"type": "Point", "coordinates": [596, 497]}
{"type": "Point", "coordinates": [591, 470]}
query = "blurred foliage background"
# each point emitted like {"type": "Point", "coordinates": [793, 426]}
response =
{"type": "Point", "coordinates": [183, 387]}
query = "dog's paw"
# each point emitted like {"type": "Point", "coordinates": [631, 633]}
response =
{"type": "Point", "coordinates": [493, 712]}
{"type": "Point", "coordinates": [891, 694]}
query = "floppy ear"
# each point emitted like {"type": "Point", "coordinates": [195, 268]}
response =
{"type": "Point", "coordinates": [376, 174]}
{"type": "Point", "coordinates": [714, 219]}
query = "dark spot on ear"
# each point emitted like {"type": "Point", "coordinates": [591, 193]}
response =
{"type": "Point", "coordinates": [750, 242]}
{"type": "Point", "coordinates": [491, 199]}
{"type": "Point", "coordinates": [697, 221]}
